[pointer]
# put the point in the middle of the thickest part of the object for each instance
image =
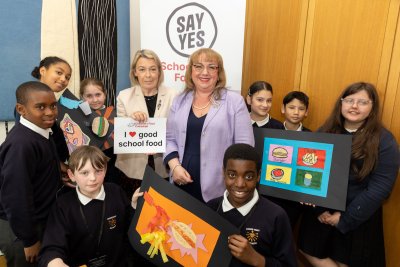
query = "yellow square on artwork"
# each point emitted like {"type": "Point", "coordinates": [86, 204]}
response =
{"type": "Point", "coordinates": [278, 174]}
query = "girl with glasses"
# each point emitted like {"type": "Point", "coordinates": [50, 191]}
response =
{"type": "Point", "coordinates": [354, 237]}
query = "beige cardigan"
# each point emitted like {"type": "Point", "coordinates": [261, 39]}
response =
{"type": "Point", "coordinates": [129, 101]}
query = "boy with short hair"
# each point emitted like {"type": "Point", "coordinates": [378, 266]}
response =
{"type": "Point", "coordinates": [265, 235]}
{"type": "Point", "coordinates": [295, 109]}
{"type": "Point", "coordinates": [29, 175]}
{"type": "Point", "coordinates": [88, 226]}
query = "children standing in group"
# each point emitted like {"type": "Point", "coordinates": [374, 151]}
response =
{"type": "Point", "coordinates": [354, 237]}
{"type": "Point", "coordinates": [29, 174]}
{"type": "Point", "coordinates": [295, 110]}
{"type": "Point", "coordinates": [92, 90]}
{"type": "Point", "coordinates": [259, 98]}
{"type": "Point", "coordinates": [265, 237]}
{"type": "Point", "coordinates": [88, 225]}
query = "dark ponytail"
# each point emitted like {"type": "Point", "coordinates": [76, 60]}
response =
{"type": "Point", "coordinates": [46, 62]}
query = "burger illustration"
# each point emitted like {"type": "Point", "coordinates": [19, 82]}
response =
{"type": "Point", "coordinates": [280, 152]}
{"type": "Point", "coordinates": [277, 174]}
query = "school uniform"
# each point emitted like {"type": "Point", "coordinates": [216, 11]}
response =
{"type": "Point", "coordinates": [29, 179]}
{"type": "Point", "coordinates": [81, 230]}
{"type": "Point", "coordinates": [57, 136]}
{"type": "Point", "coordinates": [269, 123]}
{"type": "Point", "coordinates": [264, 224]}
{"type": "Point", "coordinates": [357, 240]}
{"type": "Point", "coordinates": [300, 129]}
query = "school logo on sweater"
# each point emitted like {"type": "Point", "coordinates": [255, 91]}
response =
{"type": "Point", "coordinates": [252, 235]}
{"type": "Point", "coordinates": [112, 222]}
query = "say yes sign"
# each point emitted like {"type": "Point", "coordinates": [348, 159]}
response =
{"type": "Point", "coordinates": [190, 27]}
{"type": "Point", "coordinates": [131, 136]}
{"type": "Point", "coordinates": [177, 28]}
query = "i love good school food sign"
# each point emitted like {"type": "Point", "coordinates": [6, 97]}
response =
{"type": "Point", "coordinates": [131, 136]}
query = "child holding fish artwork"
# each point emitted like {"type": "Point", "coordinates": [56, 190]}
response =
{"type": "Point", "coordinates": [265, 237]}
{"type": "Point", "coordinates": [88, 226]}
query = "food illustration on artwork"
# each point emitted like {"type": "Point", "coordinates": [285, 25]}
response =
{"type": "Point", "coordinates": [277, 174]}
{"type": "Point", "coordinates": [280, 152]}
{"type": "Point", "coordinates": [183, 234]}
{"type": "Point", "coordinates": [162, 230]}
{"type": "Point", "coordinates": [310, 159]}
{"type": "Point", "coordinates": [307, 179]}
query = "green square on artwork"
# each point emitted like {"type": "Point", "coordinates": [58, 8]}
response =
{"type": "Point", "coordinates": [308, 179]}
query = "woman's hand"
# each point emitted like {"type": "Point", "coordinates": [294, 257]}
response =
{"type": "Point", "coordinates": [180, 176]}
{"type": "Point", "coordinates": [139, 116]}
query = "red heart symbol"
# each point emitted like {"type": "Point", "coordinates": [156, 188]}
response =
{"type": "Point", "coordinates": [132, 134]}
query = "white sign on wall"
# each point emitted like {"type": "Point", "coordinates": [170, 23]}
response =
{"type": "Point", "coordinates": [174, 29]}
{"type": "Point", "coordinates": [131, 136]}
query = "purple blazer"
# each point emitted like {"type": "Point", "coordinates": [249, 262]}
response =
{"type": "Point", "coordinates": [227, 122]}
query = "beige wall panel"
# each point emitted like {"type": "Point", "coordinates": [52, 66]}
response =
{"type": "Point", "coordinates": [271, 45]}
{"type": "Point", "coordinates": [391, 119]}
{"type": "Point", "coordinates": [343, 46]}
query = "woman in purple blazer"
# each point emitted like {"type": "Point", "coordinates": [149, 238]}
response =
{"type": "Point", "coordinates": [204, 120]}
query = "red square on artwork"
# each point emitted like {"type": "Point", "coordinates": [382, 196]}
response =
{"type": "Point", "coordinates": [309, 157]}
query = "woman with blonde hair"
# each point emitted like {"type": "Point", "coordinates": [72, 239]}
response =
{"type": "Point", "coordinates": [147, 98]}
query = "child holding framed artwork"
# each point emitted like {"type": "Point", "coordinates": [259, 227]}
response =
{"type": "Point", "coordinates": [354, 237]}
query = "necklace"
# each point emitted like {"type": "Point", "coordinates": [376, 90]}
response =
{"type": "Point", "coordinates": [201, 108]}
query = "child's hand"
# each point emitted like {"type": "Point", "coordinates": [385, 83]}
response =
{"type": "Point", "coordinates": [331, 219]}
{"type": "Point", "coordinates": [64, 176]}
{"type": "Point", "coordinates": [57, 262]}
{"type": "Point", "coordinates": [67, 182]}
{"type": "Point", "coordinates": [135, 197]}
{"type": "Point", "coordinates": [244, 251]}
{"type": "Point", "coordinates": [307, 204]}
{"type": "Point", "coordinates": [32, 252]}
{"type": "Point", "coordinates": [324, 216]}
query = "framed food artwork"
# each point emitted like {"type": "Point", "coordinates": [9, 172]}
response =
{"type": "Point", "coordinates": [308, 167]}
{"type": "Point", "coordinates": [171, 228]}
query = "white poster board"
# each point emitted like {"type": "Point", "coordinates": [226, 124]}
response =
{"type": "Point", "coordinates": [174, 29]}
{"type": "Point", "coordinates": [130, 136]}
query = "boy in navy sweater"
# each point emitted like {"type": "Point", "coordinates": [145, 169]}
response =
{"type": "Point", "coordinates": [295, 109]}
{"type": "Point", "coordinates": [29, 175]}
{"type": "Point", "coordinates": [265, 236]}
{"type": "Point", "coordinates": [88, 226]}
